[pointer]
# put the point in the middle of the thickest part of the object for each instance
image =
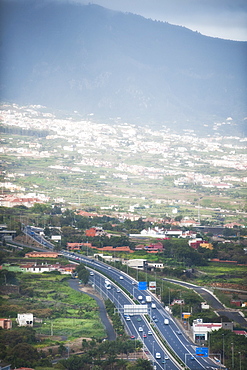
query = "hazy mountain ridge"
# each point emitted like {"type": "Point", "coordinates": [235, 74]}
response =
{"type": "Point", "coordinates": [91, 59]}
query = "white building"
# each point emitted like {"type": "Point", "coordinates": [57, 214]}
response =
{"type": "Point", "coordinates": [39, 269]}
{"type": "Point", "coordinates": [155, 265]}
{"type": "Point", "coordinates": [135, 263]}
{"type": "Point", "coordinates": [24, 319]}
{"type": "Point", "coordinates": [201, 329]}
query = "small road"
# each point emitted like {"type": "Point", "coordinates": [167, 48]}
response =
{"type": "Point", "coordinates": [213, 302]}
{"type": "Point", "coordinates": [111, 335]}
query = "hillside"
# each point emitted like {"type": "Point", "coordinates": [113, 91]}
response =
{"type": "Point", "coordinates": [94, 60]}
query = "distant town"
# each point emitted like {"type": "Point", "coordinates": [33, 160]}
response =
{"type": "Point", "coordinates": [121, 168]}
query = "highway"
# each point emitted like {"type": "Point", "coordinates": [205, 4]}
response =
{"type": "Point", "coordinates": [179, 344]}
{"type": "Point", "coordinates": [32, 232]}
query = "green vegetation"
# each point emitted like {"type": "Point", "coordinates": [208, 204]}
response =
{"type": "Point", "coordinates": [116, 321]}
{"type": "Point", "coordinates": [230, 347]}
{"type": "Point", "coordinates": [106, 355]}
{"type": "Point", "coordinates": [64, 311]}
{"type": "Point", "coordinates": [95, 179]}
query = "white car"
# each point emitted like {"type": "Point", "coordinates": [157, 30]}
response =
{"type": "Point", "coordinates": [127, 318]}
{"type": "Point", "coordinates": [140, 328]}
{"type": "Point", "coordinates": [158, 355]}
{"type": "Point", "coordinates": [121, 278]}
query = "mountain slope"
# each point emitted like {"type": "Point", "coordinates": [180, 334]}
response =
{"type": "Point", "coordinates": [91, 59]}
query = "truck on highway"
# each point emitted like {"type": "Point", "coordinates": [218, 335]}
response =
{"type": "Point", "coordinates": [166, 322]}
{"type": "Point", "coordinates": [148, 298]}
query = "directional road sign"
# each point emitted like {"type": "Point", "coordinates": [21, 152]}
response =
{"type": "Point", "coordinates": [202, 351]}
{"type": "Point", "coordinates": [135, 309]}
{"type": "Point", "coordinates": [142, 285]}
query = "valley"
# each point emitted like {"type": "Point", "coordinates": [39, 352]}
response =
{"type": "Point", "coordinates": [122, 168]}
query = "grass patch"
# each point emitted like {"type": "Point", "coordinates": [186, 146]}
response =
{"type": "Point", "coordinates": [64, 311]}
{"type": "Point", "coordinates": [73, 328]}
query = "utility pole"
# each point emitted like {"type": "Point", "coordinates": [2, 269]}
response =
{"type": "Point", "coordinates": [232, 355]}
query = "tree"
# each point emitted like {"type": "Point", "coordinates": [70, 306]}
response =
{"type": "Point", "coordinates": [140, 364]}
{"type": "Point", "coordinates": [23, 354]}
{"type": "Point", "coordinates": [83, 273]}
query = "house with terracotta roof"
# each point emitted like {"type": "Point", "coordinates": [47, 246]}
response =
{"type": "Point", "coordinates": [5, 324]}
{"type": "Point", "coordinates": [155, 247]}
{"type": "Point", "coordinates": [116, 249]}
{"type": "Point", "coordinates": [41, 255]}
{"type": "Point", "coordinates": [195, 243]}
{"type": "Point", "coordinates": [189, 223]}
{"type": "Point", "coordinates": [231, 225]}
{"type": "Point", "coordinates": [95, 231]}
{"type": "Point", "coordinates": [74, 246]}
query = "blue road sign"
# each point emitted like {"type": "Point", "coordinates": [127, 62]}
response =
{"type": "Point", "coordinates": [202, 351]}
{"type": "Point", "coordinates": [142, 285]}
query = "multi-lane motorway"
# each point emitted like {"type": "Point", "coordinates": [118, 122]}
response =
{"type": "Point", "coordinates": [138, 326]}
{"type": "Point", "coordinates": [150, 329]}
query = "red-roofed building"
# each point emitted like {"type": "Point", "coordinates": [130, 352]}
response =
{"type": "Point", "coordinates": [240, 332]}
{"type": "Point", "coordinates": [87, 214]}
{"type": "Point", "coordinates": [74, 246]}
{"type": "Point", "coordinates": [5, 324]}
{"type": "Point", "coordinates": [95, 231]}
{"type": "Point", "coordinates": [41, 255]}
{"type": "Point", "coordinates": [231, 225]}
{"type": "Point", "coordinates": [195, 243]}
{"type": "Point", "coordinates": [155, 247]}
{"type": "Point", "coordinates": [140, 247]}
{"type": "Point", "coordinates": [200, 329]}
{"type": "Point", "coordinates": [116, 249]}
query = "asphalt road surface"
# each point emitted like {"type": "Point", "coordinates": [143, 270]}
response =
{"type": "Point", "coordinates": [111, 335]}
{"type": "Point", "coordinates": [213, 302]}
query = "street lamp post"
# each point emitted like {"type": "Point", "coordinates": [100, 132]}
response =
{"type": "Point", "coordinates": [240, 367]}
{"type": "Point", "coordinates": [223, 352]}
{"type": "Point", "coordinates": [185, 359]}
{"type": "Point", "coordinates": [68, 351]}
{"type": "Point", "coordinates": [164, 363]}
{"type": "Point", "coordinates": [133, 291]}
{"type": "Point", "coordinates": [159, 289]}
{"type": "Point", "coordinates": [209, 343]}
{"type": "Point", "coordinates": [232, 355]}
{"type": "Point", "coordinates": [51, 329]}
{"type": "Point", "coordinates": [153, 353]}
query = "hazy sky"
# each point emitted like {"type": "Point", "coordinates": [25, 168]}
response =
{"type": "Point", "coordinates": [217, 18]}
